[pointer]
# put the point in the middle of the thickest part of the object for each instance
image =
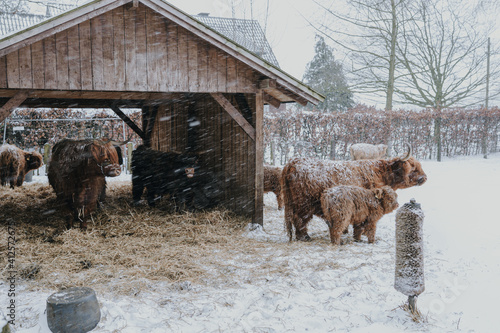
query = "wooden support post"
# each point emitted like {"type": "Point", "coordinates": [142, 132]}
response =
{"type": "Point", "coordinates": [13, 103]}
{"type": "Point", "coordinates": [149, 117]}
{"type": "Point", "coordinates": [235, 114]}
{"type": "Point", "coordinates": [259, 158]}
{"type": "Point", "coordinates": [127, 120]}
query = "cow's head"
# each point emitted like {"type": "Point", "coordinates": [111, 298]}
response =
{"type": "Point", "coordinates": [107, 158]}
{"type": "Point", "coordinates": [34, 160]}
{"type": "Point", "coordinates": [387, 197]}
{"type": "Point", "coordinates": [406, 172]}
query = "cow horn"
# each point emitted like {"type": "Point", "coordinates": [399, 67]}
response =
{"type": "Point", "coordinates": [119, 143]}
{"type": "Point", "coordinates": [407, 156]}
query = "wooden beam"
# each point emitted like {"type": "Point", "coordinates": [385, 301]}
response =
{"type": "Point", "coordinates": [272, 101]}
{"type": "Point", "coordinates": [259, 159]}
{"type": "Point", "coordinates": [235, 114]}
{"type": "Point", "coordinates": [120, 95]}
{"type": "Point", "coordinates": [13, 103]}
{"type": "Point", "coordinates": [267, 84]}
{"type": "Point", "coordinates": [127, 121]}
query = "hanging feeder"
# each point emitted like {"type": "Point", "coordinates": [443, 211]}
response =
{"type": "Point", "coordinates": [409, 272]}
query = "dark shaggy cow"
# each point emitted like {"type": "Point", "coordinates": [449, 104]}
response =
{"type": "Point", "coordinates": [343, 205]}
{"type": "Point", "coordinates": [174, 174]}
{"type": "Point", "coordinates": [272, 182]}
{"type": "Point", "coordinates": [304, 180]}
{"type": "Point", "coordinates": [77, 172]}
{"type": "Point", "coordinates": [16, 163]}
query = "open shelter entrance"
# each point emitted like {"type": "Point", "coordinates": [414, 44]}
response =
{"type": "Point", "coordinates": [199, 91]}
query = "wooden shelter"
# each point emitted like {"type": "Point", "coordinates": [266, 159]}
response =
{"type": "Point", "coordinates": [198, 90]}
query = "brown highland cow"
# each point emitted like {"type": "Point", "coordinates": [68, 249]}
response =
{"type": "Point", "coordinates": [16, 163]}
{"type": "Point", "coordinates": [305, 179]}
{"type": "Point", "coordinates": [344, 205]}
{"type": "Point", "coordinates": [77, 172]}
{"type": "Point", "coordinates": [272, 183]}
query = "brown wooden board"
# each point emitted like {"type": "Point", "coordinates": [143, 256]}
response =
{"type": "Point", "coordinates": [13, 70]}
{"type": "Point", "coordinates": [130, 45]}
{"type": "Point", "coordinates": [141, 47]}
{"type": "Point", "coordinates": [97, 53]}
{"type": "Point", "coordinates": [119, 48]}
{"type": "Point", "coordinates": [221, 71]}
{"type": "Point", "coordinates": [182, 50]}
{"type": "Point", "coordinates": [231, 74]}
{"type": "Point", "coordinates": [62, 69]}
{"type": "Point", "coordinates": [192, 63]}
{"type": "Point", "coordinates": [25, 70]}
{"type": "Point", "coordinates": [163, 75]}
{"type": "Point", "coordinates": [108, 62]}
{"type": "Point", "coordinates": [152, 50]}
{"type": "Point", "coordinates": [203, 66]}
{"type": "Point", "coordinates": [85, 55]}
{"type": "Point", "coordinates": [173, 57]}
{"type": "Point", "coordinates": [3, 72]}
{"type": "Point", "coordinates": [212, 69]}
{"type": "Point", "coordinates": [75, 77]}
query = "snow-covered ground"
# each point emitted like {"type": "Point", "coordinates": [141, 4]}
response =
{"type": "Point", "coordinates": [335, 289]}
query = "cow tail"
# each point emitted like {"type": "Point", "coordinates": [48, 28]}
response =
{"type": "Point", "coordinates": [287, 196]}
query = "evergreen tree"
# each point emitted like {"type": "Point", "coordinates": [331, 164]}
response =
{"type": "Point", "coordinates": [326, 75]}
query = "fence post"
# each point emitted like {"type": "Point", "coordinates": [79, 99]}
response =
{"type": "Point", "coordinates": [130, 147]}
{"type": "Point", "coordinates": [46, 156]}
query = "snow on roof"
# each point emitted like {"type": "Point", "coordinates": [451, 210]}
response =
{"type": "Point", "coordinates": [247, 33]}
{"type": "Point", "coordinates": [12, 22]}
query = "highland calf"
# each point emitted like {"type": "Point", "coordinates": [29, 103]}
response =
{"type": "Point", "coordinates": [344, 205]}
{"type": "Point", "coordinates": [272, 183]}
{"type": "Point", "coordinates": [366, 151]}
{"type": "Point", "coordinates": [304, 180]}
{"type": "Point", "coordinates": [77, 172]}
{"type": "Point", "coordinates": [16, 163]}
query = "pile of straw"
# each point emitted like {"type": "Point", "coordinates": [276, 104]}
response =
{"type": "Point", "coordinates": [124, 248]}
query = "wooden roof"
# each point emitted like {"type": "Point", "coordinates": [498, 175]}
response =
{"type": "Point", "coordinates": [279, 85]}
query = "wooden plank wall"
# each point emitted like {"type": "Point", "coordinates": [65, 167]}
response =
{"type": "Point", "coordinates": [224, 147]}
{"type": "Point", "coordinates": [126, 49]}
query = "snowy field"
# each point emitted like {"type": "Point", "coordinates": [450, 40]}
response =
{"type": "Point", "coordinates": [333, 289]}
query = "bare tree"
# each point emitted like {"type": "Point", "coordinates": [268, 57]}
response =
{"type": "Point", "coordinates": [444, 58]}
{"type": "Point", "coordinates": [368, 32]}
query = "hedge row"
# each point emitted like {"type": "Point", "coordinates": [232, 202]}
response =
{"type": "Point", "coordinates": [52, 125]}
{"type": "Point", "coordinates": [329, 135]}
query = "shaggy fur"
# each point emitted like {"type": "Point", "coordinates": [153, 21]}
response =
{"type": "Point", "coordinates": [77, 172]}
{"type": "Point", "coordinates": [304, 180]}
{"type": "Point", "coordinates": [272, 183]}
{"type": "Point", "coordinates": [344, 205]}
{"type": "Point", "coordinates": [174, 174]}
{"type": "Point", "coordinates": [16, 163]}
{"type": "Point", "coordinates": [366, 151]}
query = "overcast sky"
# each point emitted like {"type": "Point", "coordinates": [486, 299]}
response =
{"type": "Point", "coordinates": [288, 32]}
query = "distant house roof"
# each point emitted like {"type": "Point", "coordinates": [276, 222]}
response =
{"type": "Point", "coordinates": [10, 23]}
{"type": "Point", "coordinates": [247, 33]}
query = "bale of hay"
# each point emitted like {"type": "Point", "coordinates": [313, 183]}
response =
{"type": "Point", "coordinates": [409, 272]}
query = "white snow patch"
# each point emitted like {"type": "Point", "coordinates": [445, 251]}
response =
{"type": "Point", "coordinates": [346, 288]}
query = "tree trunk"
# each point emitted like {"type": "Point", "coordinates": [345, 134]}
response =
{"type": "Point", "coordinates": [437, 136]}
